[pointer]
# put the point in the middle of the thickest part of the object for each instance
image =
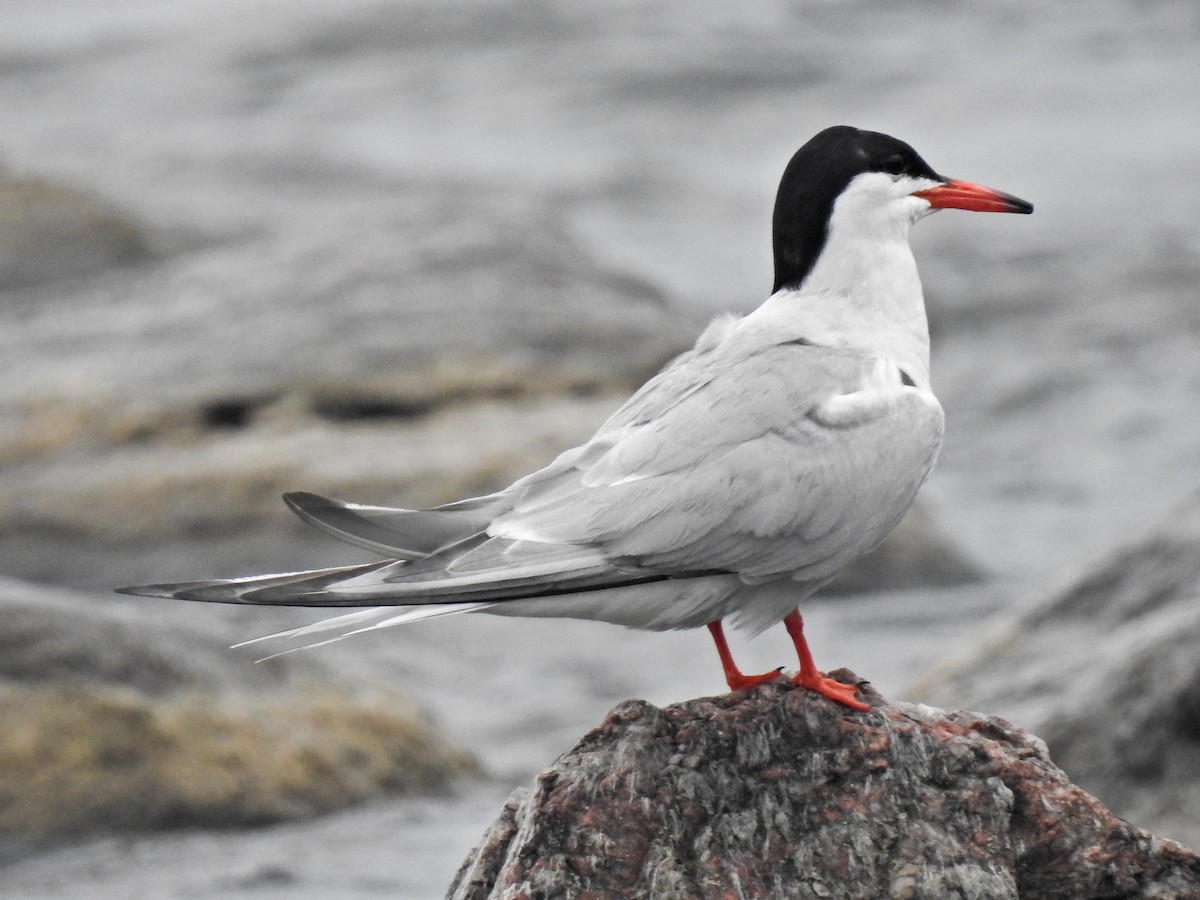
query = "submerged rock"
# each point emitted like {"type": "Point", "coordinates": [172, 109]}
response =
{"type": "Point", "coordinates": [778, 793]}
{"type": "Point", "coordinates": [112, 722]}
{"type": "Point", "coordinates": [50, 231]}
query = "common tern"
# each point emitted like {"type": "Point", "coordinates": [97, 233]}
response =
{"type": "Point", "coordinates": [733, 485]}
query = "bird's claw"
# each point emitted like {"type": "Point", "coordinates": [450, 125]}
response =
{"type": "Point", "coordinates": [844, 694]}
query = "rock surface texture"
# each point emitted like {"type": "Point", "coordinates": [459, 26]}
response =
{"type": "Point", "coordinates": [778, 793]}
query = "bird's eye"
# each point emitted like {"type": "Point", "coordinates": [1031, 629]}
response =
{"type": "Point", "coordinates": [894, 164]}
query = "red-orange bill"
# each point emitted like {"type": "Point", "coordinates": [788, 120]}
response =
{"type": "Point", "coordinates": [964, 195]}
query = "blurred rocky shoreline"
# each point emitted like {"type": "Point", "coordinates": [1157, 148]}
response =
{"type": "Point", "coordinates": [402, 253]}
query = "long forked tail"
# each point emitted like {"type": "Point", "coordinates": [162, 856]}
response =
{"type": "Point", "coordinates": [358, 622]}
{"type": "Point", "coordinates": [474, 573]}
{"type": "Point", "coordinates": [403, 535]}
{"type": "Point", "coordinates": [297, 586]}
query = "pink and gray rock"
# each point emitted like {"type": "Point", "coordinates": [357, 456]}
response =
{"type": "Point", "coordinates": [777, 793]}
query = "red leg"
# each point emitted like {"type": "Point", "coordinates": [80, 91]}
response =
{"type": "Point", "coordinates": [733, 676]}
{"type": "Point", "coordinates": [809, 677]}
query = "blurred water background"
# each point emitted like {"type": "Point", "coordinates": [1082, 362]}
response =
{"type": "Point", "coordinates": [402, 252]}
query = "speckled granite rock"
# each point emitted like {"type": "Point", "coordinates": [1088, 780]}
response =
{"type": "Point", "coordinates": [777, 793]}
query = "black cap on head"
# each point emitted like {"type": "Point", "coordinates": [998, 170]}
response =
{"type": "Point", "coordinates": [812, 181]}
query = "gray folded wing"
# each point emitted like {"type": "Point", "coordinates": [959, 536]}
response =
{"type": "Point", "coordinates": [776, 461]}
{"type": "Point", "coordinates": [790, 460]}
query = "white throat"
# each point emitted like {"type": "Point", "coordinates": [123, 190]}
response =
{"type": "Point", "coordinates": [864, 291]}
